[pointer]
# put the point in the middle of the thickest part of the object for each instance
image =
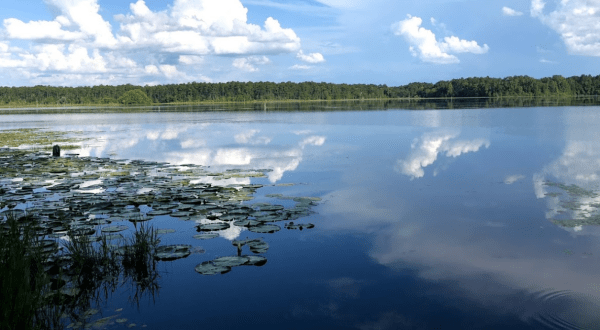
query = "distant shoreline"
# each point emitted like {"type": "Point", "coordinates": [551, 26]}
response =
{"type": "Point", "coordinates": [234, 92]}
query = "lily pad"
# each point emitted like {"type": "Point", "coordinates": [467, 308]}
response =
{"type": "Point", "coordinates": [114, 229]}
{"type": "Point", "coordinates": [246, 223]}
{"type": "Point", "coordinates": [258, 246]}
{"type": "Point", "coordinates": [264, 229]}
{"type": "Point", "coordinates": [207, 268]}
{"type": "Point", "coordinates": [206, 236]}
{"type": "Point", "coordinates": [172, 252]}
{"type": "Point", "coordinates": [159, 212]}
{"type": "Point", "coordinates": [213, 226]}
{"type": "Point", "coordinates": [256, 260]}
{"type": "Point", "coordinates": [230, 261]}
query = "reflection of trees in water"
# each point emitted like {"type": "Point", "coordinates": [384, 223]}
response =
{"type": "Point", "coordinates": [356, 105]}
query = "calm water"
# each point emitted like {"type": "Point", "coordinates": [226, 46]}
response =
{"type": "Point", "coordinates": [433, 219]}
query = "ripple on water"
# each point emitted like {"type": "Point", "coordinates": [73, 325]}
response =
{"type": "Point", "coordinates": [562, 309]}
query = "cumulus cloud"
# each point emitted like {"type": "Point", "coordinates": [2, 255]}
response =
{"type": "Point", "coordinates": [249, 63]}
{"type": "Point", "coordinates": [576, 21]}
{"type": "Point", "coordinates": [300, 67]}
{"type": "Point", "coordinates": [80, 17]}
{"type": "Point", "coordinates": [426, 149]}
{"type": "Point", "coordinates": [423, 43]}
{"type": "Point", "coordinates": [80, 42]}
{"type": "Point", "coordinates": [506, 11]}
{"type": "Point", "coordinates": [310, 58]}
{"type": "Point", "coordinates": [190, 59]}
{"type": "Point", "coordinates": [203, 27]}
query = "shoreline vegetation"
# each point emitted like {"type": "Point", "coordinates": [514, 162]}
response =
{"type": "Point", "coordinates": [265, 93]}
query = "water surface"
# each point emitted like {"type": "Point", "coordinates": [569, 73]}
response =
{"type": "Point", "coordinates": [447, 219]}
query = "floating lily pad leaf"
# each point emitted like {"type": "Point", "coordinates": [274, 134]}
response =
{"type": "Point", "coordinates": [213, 226]}
{"type": "Point", "coordinates": [258, 205]}
{"type": "Point", "coordinates": [140, 218]}
{"type": "Point", "coordinates": [232, 217]}
{"type": "Point", "coordinates": [98, 222]}
{"type": "Point", "coordinates": [299, 226]}
{"type": "Point", "coordinates": [256, 261]}
{"type": "Point", "coordinates": [180, 214]}
{"type": "Point", "coordinates": [165, 231]}
{"type": "Point", "coordinates": [264, 229]}
{"type": "Point", "coordinates": [165, 207]}
{"type": "Point", "coordinates": [230, 261]}
{"type": "Point", "coordinates": [159, 212]}
{"type": "Point", "coordinates": [271, 208]}
{"type": "Point", "coordinates": [246, 223]}
{"type": "Point", "coordinates": [271, 218]}
{"type": "Point", "coordinates": [114, 229]}
{"type": "Point", "coordinates": [172, 252]}
{"type": "Point", "coordinates": [83, 231]}
{"type": "Point", "coordinates": [206, 236]}
{"type": "Point", "coordinates": [241, 242]}
{"type": "Point", "coordinates": [207, 268]}
{"type": "Point", "coordinates": [258, 246]}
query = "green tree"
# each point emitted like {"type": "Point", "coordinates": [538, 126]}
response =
{"type": "Point", "coordinates": [136, 96]}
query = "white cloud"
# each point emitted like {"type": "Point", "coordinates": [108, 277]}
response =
{"type": "Point", "coordinates": [576, 21]}
{"type": "Point", "coordinates": [56, 57]}
{"type": "Point", "coordinates": [536, 7]}
{"type": "Point", "coordinates": [248, 64]}
{"type": "Point", "coordinates": [300, 67]}
{"type": "Point", "coordinates": [310, 58]}
{"type": "Point", "coordinates": [190, 59]}
{"type": "Point", "coordinates": [426, 149]}
{"type": "Point", "coordinates": [82, 15]}
{"type": "Point", "coordinates": [510, 12]}
{"type": "Point", "coordinates": [79, 42]}
{"type": "Point", "coordinates": [204, 27]}
{"type": "Point", "coordinates": [456, 45]}
{"type": "Point", "coordinates": [423, 43]}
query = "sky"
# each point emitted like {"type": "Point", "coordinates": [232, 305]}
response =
{"type": "Point", "coordinates": [150, 42]}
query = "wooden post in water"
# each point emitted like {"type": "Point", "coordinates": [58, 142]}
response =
{"type": "Point", "coordinates": [56, 151]}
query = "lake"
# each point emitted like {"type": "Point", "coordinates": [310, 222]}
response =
{"type": "Point", "coordinates": [429, 219]}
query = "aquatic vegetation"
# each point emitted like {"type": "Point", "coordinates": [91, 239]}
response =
{"type": "Point", "coordinates": [64, 215]}
{"type": "Point", "coordinates": [573, 190]}
{"type": "Point", "coordinates": [585, 213]}
{"type": "Point", "coordinates": [38, 137]}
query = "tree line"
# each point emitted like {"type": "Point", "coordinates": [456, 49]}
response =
{"type": "Point", "coordinates": [269, 91]}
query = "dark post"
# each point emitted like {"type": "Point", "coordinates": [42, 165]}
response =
{"type": "Point", "coordinates": [56, 151]}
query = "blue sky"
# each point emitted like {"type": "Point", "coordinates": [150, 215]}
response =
{"type": "Point", "coordinates": [110, 42]}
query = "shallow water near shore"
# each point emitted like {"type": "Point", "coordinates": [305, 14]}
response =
{"type": "Point", "coordinates": [450, 219]}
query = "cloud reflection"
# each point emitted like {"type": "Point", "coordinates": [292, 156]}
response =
{"type": "Point", "coordinates": [425, 151]}
{"type": "Point", "coordinates": [204, 144]}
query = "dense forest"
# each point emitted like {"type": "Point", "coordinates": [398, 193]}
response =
{"type": "Point", "coordinates": [270, 91]}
